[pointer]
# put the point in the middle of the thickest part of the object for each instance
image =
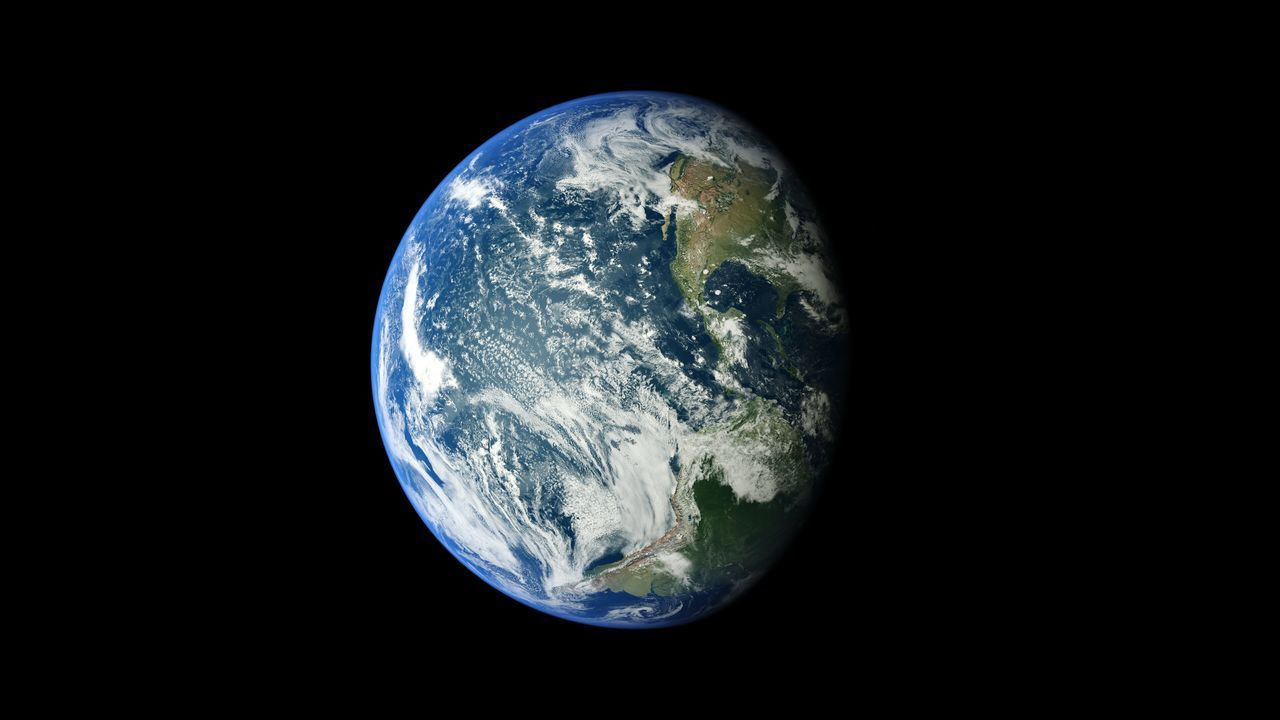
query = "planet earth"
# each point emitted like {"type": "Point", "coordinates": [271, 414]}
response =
{"type": "Point", "coordinates": [610, 358]}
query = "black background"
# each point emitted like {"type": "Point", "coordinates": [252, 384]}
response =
{"type": "Point", "coordinates": [326, 553]}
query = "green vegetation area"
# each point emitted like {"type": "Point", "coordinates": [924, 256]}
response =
{"type": "Point", "coordinates": [734, 538]}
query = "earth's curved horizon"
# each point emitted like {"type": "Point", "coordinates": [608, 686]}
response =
{"type": "Point", "coordinates": [609, 359]}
